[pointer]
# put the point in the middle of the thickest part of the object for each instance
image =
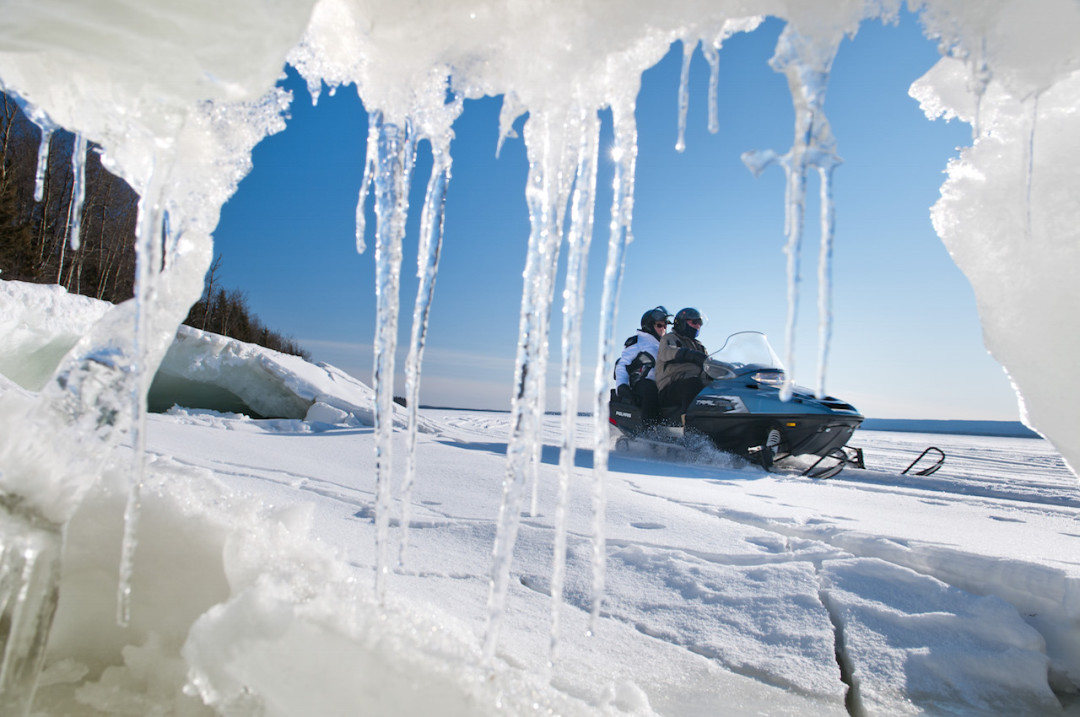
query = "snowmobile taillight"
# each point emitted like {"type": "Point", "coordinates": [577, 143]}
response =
{"type": "Point", "coordinates": [770, 378]}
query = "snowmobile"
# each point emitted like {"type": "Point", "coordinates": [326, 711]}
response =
{"type": "Point", "coordinates": [740, 410]}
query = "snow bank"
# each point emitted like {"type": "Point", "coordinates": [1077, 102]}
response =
{"type": "Point", "coordinates": [40, 324]}
{"type": "Point", "coordinates": [1005, 218]}
{"type": "Point", "coordinates": [908, 640]}
{"type": "Point", "coordinates": [227, 592]}
{"type": "Point", "coordinates": [206, 370]}
{"type": "Point", "coordinates": [200, 370]}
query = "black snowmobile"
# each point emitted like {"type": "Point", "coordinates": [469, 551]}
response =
{"type": "Point", "coordinates": [740, 411]}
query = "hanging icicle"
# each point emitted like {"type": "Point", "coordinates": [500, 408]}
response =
{"type": "Point", "coordinates": [148, 261]}
{"type": "Point", "coordinates": [42, 162]}
{"type": "Point", "coordinates": [521, 428]}
{"type": "Point", "coordinates": [511, 109]}
{"type": "Point", "coordinates": [395, 150]}
{"type": "Point", "coordinates": [624, 154]}
{"type": "Point", "coordinates": [711, 50]}
{"type": "Point", "coordinates": [30, 549]}
{"type": "Point", "coordinates": [684, 91]}
{"type": "Point", "coordinates": [806, 62]}
{"type": "Point", "coordinates": [365, 186]}
{"type": "Point", "coordinates": [427, 267]}
{"type": "Point", "coordinates": [547, 189]}
{"type": "Point", "coordinates": [46, 126]}
{"type": "Point", "coordinates": [558, 196]}
{"type": "Point", "coordinates": [431, 237]}
{"type": "Point", "coordinates": [1029, 170]}
{"type": "Point", "coordinates": [78, 188]}
{"type": "Point", "coordinates": [978, 80]}
{"type": "Point", "coordinates": [825, 265]}
{"type": "Point", "coordinates": [579, 239]}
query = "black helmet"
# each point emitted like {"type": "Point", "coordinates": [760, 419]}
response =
{"type": "Point", "coordinates": [652, 317]}
{"type": "Point", "coordinates": [684, 315]}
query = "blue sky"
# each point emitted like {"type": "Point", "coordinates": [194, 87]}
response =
{"type": "Point", "coordinates": [906, 337]}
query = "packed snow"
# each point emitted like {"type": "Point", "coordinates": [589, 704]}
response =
{"type": "Point", "coordinates": [177, 97]}
{"type": "Point", "coordinates": [729, 590]}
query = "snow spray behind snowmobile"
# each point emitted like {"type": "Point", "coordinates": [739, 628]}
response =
{"type": "Point", "coordinates": [741, 412]}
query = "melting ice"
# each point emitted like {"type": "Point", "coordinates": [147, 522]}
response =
{"type": "Point", "coordinates": [178, 104]}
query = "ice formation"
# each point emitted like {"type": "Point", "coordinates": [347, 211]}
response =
{"type": "Point", "coordinates": [178, 96]}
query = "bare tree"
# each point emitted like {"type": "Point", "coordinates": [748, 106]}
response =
{"type": "Point", "coordinates": [210, 288]}
{"type": "Point", "coordinates": [34, 235]}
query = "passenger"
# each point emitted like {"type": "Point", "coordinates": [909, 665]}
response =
{"type": "Point", "coordinates": [679, 362]}
{"type": "Point", "coordinates": [635, 373]}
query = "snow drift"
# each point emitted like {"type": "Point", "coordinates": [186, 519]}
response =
{"type": "Point", "coordinates": [200, 369]}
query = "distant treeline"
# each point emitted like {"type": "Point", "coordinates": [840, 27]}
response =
{"type": "Point", "coordinates": [225, 312]}
{"type": "Point", "coordinates": [35, 236]}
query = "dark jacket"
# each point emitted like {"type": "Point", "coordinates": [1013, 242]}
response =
{"type": "Point", "coordinates": [679, 357]}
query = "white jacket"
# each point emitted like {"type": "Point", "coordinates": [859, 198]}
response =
{"type": "Point", "coordinates": [642, 341]}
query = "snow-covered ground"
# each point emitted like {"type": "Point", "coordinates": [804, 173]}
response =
{"type": "Point", "coordinates": [728, 590]}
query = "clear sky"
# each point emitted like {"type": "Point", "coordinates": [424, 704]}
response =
{"type": "Point", "coordinates": [906, 336]}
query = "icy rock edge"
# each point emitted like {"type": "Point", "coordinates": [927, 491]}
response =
{"type": "Point", "coordinates": [179, 104]}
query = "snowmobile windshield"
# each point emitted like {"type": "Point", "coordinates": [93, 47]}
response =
{"type": "Point", "coordinates": [747, 350]}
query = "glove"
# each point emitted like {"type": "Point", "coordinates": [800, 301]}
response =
{"type": "Point", "coordinates": [623, 394]}
{"type": "Point", "coordinates": [691, 356]}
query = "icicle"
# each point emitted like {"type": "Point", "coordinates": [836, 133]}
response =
{"type": "Point", "coordinates": [510, 110]}
{"type": "Point", "coordinates": [578, 239]}
{"type": "Point", "coordinates": [427, 267]}
{"type": "Point", "coordinates": [29, 588]}
{"type": "Point", "coordinates": [978, 80]}
{"type": "Point", "coordinates": [524, 395]}
{"type": "Point", "coordinates": [1030, 169]}
{"type": "Point", "coordinates": [806, 63]}
{"type": "Point", "coordinates": [825, 174]}
{"type": "Point", "coordinates": [684, 92]}
{"type": "Point", "coordinates": [711, 50]}
{"type": "Point", "coordinates": [78, 418]}
{"type": "Point", "coordinates": [624, 154]}
{"type": "Point", "coordinates": [395, 150]}
{"type": "Point", "coordinates": [542, 194]}
{"type": "Point", "coordinates": [148, 244]}
{"type": "Point", "coordinates": [42, 162]}
{"type": "Point", "coordinates": [558, 195]}
{"type": "Point", "coordinates": [47, 127]}
{"type": "Point", "coordinates": [793, 226]}
{"type": "Point", "coordinates": [712, 56]}
{"type": "Point", "coordinates": [78, 188]}
{"type": "Point", "coordinates": [365, 185]}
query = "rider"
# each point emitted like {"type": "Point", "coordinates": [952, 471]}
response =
{"type": "Point", "coordinates": [635, 379]}
{"type": "Point", "coordinates": [678, 369]}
